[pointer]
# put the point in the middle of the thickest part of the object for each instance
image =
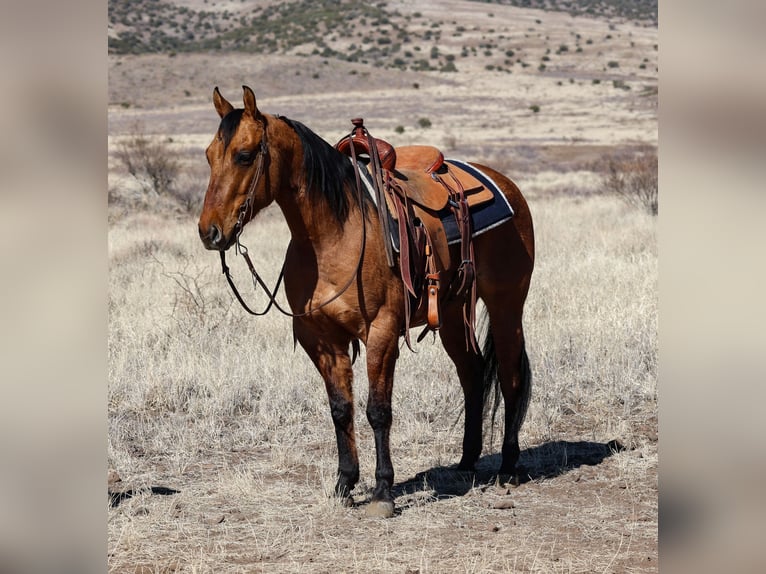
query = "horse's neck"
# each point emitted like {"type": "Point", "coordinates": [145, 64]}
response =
{"type": "Point", "coordinates": [315, 224]}
{"type": "Point", "coordinates": [309, 223]}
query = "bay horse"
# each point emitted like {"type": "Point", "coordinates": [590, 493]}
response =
{"type": "Point", "coordinates": [342, 291]}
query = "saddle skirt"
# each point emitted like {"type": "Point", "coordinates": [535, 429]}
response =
{"type": "Point", "coordinates": [415, 169]}
{"type": "Point", "coordinates": [415, 166]}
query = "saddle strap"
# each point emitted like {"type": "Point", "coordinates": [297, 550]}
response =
{"type": "Point", "coordinates": [415, 257]}
{"type": "Point", "coordinates": [360, 134]}
{"type": "Point", "coordinates": [406, 231]}
{"type": "Point", "coordinates": [433, 279]}
{"type": "Point", "coordinates": [466, 272]}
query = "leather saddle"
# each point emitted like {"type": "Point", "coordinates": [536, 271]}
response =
{"type": "Point", "coordinates": [414, 167]}
{"type": "Point", "coordinates": [418, 185]}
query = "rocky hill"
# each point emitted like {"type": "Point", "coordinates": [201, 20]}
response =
{"type": "Point", "coordinates": [351, 30]}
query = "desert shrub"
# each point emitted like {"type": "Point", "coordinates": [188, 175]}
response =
{"type": "Point", "coordinates": [448, 67]}
{"type": "Point", "coordinates": [633, 178]}
{"type": "Point", "coordinates": [165, 178]}
{"type": "Point", "coordinates": [151, 161]}
{"type": "Point", "coordinates": [424, 123]}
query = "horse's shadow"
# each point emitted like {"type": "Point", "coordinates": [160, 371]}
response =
{"type": "Point", "coordinates": [541, 462]}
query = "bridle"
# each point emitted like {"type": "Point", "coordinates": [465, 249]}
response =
{"type": "Point", "coordinates": [246, 209]}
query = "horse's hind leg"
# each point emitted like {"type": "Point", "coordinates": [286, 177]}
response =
{"type": "Point", "coordinates": [334, 364]}
{"type": "Point", "coordinates": [470, 368]}
{"type": "Point", "coordinates": [509, 355]}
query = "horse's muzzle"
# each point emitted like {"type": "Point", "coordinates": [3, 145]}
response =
{"type": "Point", "coordinates": [212, 238]}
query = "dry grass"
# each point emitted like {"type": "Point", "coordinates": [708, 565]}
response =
{"type": "Point", "coordinates": [216, 405]}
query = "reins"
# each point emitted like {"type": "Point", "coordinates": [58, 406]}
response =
{"type": "Point", "coordinates": [242, 249]}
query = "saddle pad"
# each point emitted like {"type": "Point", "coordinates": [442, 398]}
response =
{"type": "Point", "coordinates": [484, 216]}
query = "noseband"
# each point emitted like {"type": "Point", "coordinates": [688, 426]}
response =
{"type": "Point", "coordinates": [246, 209]}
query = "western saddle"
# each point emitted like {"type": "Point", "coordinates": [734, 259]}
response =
{"type": "Point", "coordinates": [417, 186]}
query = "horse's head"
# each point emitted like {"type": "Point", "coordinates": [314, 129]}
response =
{"type": "Point", "coordinates": [238, 162]}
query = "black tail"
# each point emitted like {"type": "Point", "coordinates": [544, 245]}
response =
{"type": "Point", "coordinates": [491, 382]}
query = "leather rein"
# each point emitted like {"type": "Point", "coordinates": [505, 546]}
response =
{"type": "Point", "coordinates": [246, 207]}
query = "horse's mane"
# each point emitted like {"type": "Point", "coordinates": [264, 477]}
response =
{"type": "Point", "coordinates": [328, 173]}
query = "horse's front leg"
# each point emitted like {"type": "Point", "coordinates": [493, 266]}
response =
{"type": "Point", "coordinates": [333, 363]}
{"type": "Point", "coordinates": [382, 353]}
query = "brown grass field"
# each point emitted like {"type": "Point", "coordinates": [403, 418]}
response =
{"type": "Point", "coordinates": [220, 432]}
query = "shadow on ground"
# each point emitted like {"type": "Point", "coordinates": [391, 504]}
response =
{"type": "Point", "coordinates": [541, 462]}
{"type": "Point", "coordinates": [118, 495]}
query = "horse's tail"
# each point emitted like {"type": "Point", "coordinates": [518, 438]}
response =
{"type": "Point", "coordinates": [491, 381]}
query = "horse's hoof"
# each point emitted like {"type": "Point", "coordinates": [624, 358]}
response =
{"type": "Point", "coordinates": [380, 509]}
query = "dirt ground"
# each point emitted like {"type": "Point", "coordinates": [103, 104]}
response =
{"type": "Point", "coordinates": [244, 488]}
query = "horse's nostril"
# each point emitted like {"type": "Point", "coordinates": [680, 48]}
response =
{"type": "Point", "coordinates": [215, 234]}
{"type": "Point", "coordinates": [212, 237]}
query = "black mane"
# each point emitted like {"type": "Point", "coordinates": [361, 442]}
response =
{"type": "Point", "coordinates": [328, 173]}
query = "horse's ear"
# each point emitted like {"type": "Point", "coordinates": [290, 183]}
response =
{"type": "Point", "coordinates": [222, 106]}
{"type": "Point", "coordinates": [249, 99]}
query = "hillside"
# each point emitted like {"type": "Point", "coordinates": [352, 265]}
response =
{"type": "Point", "coordinates": [350, 30]}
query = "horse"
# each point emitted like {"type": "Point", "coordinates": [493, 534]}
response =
{"type": "Point", "coordinates": [341, 289]}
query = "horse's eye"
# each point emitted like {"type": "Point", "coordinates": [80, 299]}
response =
{"type": "Point", "coordinates": [244, 157]}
